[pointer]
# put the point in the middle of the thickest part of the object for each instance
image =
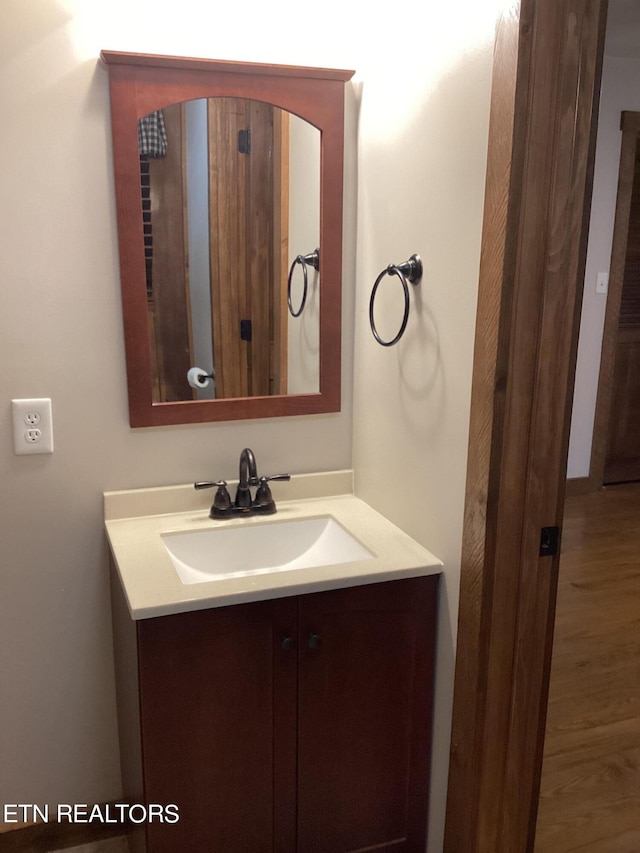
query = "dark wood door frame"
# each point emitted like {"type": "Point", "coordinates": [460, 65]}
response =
{"type": "Point", "coordinates": [541, 145]}
{"type": "Point", "coordinates": [630, 127]}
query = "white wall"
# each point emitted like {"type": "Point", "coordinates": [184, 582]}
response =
{"type": "Point", "coordinates": [423, 72]}
{"type": "Point", "coordinates": [620, 91]}
{"type": "Point", "coordinates": [61, 337]}
{"type": "Point", "coordinates": [421, 165]}
{"type": "Point", "coordinates": [303, 351]}
{"type": "Point", "coordinates": [195, 112]}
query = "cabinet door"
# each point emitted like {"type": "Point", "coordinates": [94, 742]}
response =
{"type": "Point", "coordinates": [208, 703]}
{"type": "Point", "coordinates": [365, 709]}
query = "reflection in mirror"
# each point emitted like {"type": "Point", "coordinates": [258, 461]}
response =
{"type": "Point", "coordinates": [230, 197]}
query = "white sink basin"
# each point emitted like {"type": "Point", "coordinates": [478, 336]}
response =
{"type": "Point", "coordinates": [257, 549]}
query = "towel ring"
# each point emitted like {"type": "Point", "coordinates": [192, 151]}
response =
{"type": "Point", "coordinates": [411, 270]}
{"type": "Point", "coordinates": [313, 260]}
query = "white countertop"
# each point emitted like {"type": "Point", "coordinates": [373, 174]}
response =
{"type": "Point", "coordinates": [136, 519]}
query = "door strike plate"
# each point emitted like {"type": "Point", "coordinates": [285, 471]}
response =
{"type": "Point", "coordinates": [246, 330]}
{"type": "Point", "coordinates": [549, 540]}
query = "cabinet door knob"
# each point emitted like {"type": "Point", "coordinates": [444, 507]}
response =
{"type": "Point", "coordinates": [288, 644]}
{"type": "Point", "coordinates": [315, 641]}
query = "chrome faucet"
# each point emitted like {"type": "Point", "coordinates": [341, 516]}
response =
{"type": "Point", "coordinates": [262, 504]}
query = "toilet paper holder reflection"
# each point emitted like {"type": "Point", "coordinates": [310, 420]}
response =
{"type": "Point", "coordinates": [199, 378]}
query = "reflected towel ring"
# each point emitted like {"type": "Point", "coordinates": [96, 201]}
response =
{"type": "Point", "coordinates": [411, 270]}
{"type": "Point", "coordinates": [312, 259]}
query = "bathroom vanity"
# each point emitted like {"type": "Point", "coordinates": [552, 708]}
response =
{"type": "Point", "coordinates": [283, 709]}
{"type": "Point", "coordinates": [274, 674]}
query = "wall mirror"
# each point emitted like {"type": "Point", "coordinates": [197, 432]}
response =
{"type": "Point", "coordinates": [229, 201]}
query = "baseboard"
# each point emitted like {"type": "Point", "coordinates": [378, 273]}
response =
{"type": "Point", "coordinates": [54, 835]}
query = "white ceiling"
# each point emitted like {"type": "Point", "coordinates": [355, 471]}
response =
{"type": "Point", "coordinates": [623, 29]}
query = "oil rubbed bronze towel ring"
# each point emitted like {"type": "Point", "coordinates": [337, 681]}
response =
{"type": "Point", "coordinates": [312, 260]}
{"type": "Point", "coordinates": [410, 270]}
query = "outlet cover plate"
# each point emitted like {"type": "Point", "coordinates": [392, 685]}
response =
{"type": "Point", "coordinates": [32, 426]}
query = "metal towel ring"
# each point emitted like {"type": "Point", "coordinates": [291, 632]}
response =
{"type": "Point", "coordinates": [312, 259]}
{"type": "Point", "coordinates": [411, 270]}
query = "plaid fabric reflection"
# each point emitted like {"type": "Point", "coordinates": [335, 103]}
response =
{"type": "Point", "coordinates": [152, 136]}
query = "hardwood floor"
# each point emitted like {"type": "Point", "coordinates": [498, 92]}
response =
{"type": "Point", "coordinates": [590, 793]}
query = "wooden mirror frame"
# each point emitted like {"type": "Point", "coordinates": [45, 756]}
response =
{"type": "Point", "coordinates": [141, 83]}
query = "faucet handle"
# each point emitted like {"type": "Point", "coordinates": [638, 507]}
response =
{"type": "Point", "coordinates": [221, 502]}
{"type": "Point", "coordinates": [264, 498]}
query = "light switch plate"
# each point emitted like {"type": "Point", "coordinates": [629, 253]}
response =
{"type": "Point", "coordinates": [32, 426]}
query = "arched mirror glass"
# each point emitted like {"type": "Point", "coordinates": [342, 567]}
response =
{"type": "Point", "coordinates": [230, 192]}
{"type": "Point", "coordinates": [229, 195]}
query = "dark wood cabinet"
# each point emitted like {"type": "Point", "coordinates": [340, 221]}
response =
{"type": "Point", "coordinates": [365, 685]}
{"type": "Point", "coordinates": [296, 724]}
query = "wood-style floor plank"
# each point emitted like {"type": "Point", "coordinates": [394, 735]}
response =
{"type": "Point", "coordinates": [625, 841]}
{"type": "Point", "coordinates": [590, 791]}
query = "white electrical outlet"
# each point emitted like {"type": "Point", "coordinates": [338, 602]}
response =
{"type": "Point", "coordinates": [32, 426]}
